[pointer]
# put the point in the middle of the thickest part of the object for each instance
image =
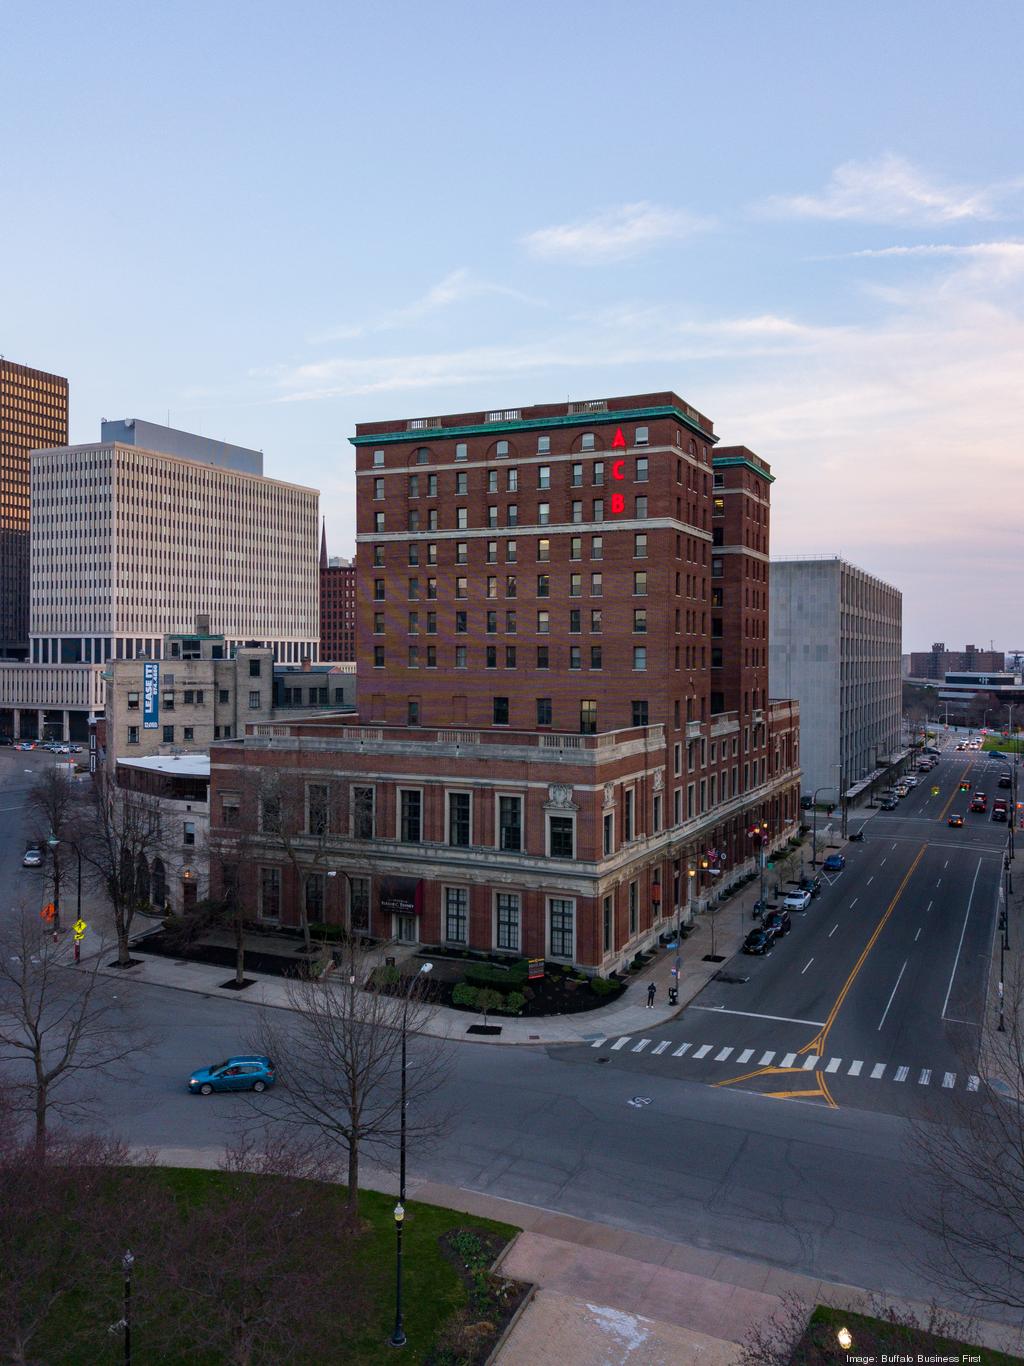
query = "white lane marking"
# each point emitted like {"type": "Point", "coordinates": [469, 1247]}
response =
{"type": "Point", "coordinates": [877, 1071]}
{"type": "Point", "coordinates": [972, 1083]}
{"type": "Point", "coordinates": [944, 867]}
{"type": "Point", "coordinates": [832, 931]}
{"type": "Point", "coordinates": [854, 902]}
{"type": "Point", "coordinates": [901, 1074]}
{"type": "Point", "coordinates": [639, 1047]}
{"type": "Point", "coordinates": [833, 1065]}
{"type": "Point", "coordinates": [949, 1080]}
{"type": "Point", "coordinates": [678, 1052]}
{"type": "Point", "coordinates": [871, 879]}
{"type": "Point", "coordinates": [661, 1047]}
{"type": "Point", "coordinates": [752, 1015]}
{"type": "Point", "coordinates": [882, 864]}
{"type": "Point", "coordinates": [894, 848]}
{"type": "Point", "coordinates": [598, 1042]}
{"type": "Point", "coordinates": [766, 1059]}
{"type": "Point", "coordinates": [811, 1062]}
{"type": "Point", "coordinates": [885, 1012]}
{"type": "Point", "coordinates": [621, 1043]}
{"type": "Point", "coordinates": [804, 969]}
{"type": "Point", "coordinates": [855, 1067]}
{"type": "Point", "coordinates": [929, 906]}
{"type": "Point", "coordinates": [746, 1055]}
{"type": "Point", "coordinates": [959, 946]}
{"type": "Point", "coordinates": [925, 1078]}
{"type": "Point", "coordinates": [917, 936]}
{"type": "Point", "coordinates": [939, 883]}
{"type": "Point", "coordinates": [723, 1054]}
{"type": "Point", "coordinates": [703, 1050]}
{"type": "Point", "coordinates": [788, 1060]}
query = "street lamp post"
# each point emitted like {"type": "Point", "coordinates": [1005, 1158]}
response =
{"type": "Point", "coordinates": [759, 832]}
{"type": "Point", "coordinates": [814, 823]}
{"type": "Point", "coordinates": [54, 843]}
{"type": "Point", "coordinates": [398, 1338]}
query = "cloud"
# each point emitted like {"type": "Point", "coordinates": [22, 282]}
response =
{"type": "Point", "coordinates": [890, 189]}
{"type": "Point", "coordinates": [1010, 251]}
{"type": "Point", "coordinates": [456, 287]}
{"type": "Point", "coordinates": [613, 235]}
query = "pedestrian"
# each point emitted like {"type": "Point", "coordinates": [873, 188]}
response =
{"type": "Point", "coordinates": [651, 989]}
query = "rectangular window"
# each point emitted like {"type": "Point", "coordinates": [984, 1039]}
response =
{"type": "Point", "coordinates": [634, 910]}
{"type": "Point", "coordinates": [560, 835]}
{"type": "Point", "coordinates": [510, 552]}
{"type": "Point", "coordinates": [574, 621]}
{"type": "Point", "coordinates": [168, 733]}
{"type": "Point", "coordinates": [598, 513]}
{"type": "Point", "coordinates": [510, 824]}
{"type": "Point", "coordinates": [507, 911]}
{"type": "Point", "coordinates": [512, 480]}
{"type": "Point", "coordinates": [461, 450]}
{"type": "Point", "coordinates": [577, 510]}
{"type": "Point", "coordinates": [314, 893]}
{"type": "Point", "coordinates": [543, 514]}
{"type": "Point", "coordinates": [270, 894]}
{"type": "Point", "coordinates": [639, 657]}
{"type": "Point", "coordinates": [510, 622]}
{"type": "Point", "coordinates": [510, 656]}
{"type": "Point", "coordinates": [609, 832]}
{"type": "Point", "coordinates": [460, 656]}
{"type": "Point", "coordinates": [609, 922]}
{"type": "Point", "coordinates": [542, 657]}
{"type": "Point", "coordinates": [543, 445]}
{"type": "Point", "coordinates": [491, 657]}
{"type": "Point", "coordinates": [640, 545]}
{"type": "Point", "coordinates": [544, 711]}
{"type": "Point", "coordinates": [640, 436]}
{"type": "Point", "coordinates": [543, 477]}
{"type": "Point", "coordinates": [640, 469]}
{"type": "Point", "coordinates": [577, 476]}
{"type": "Point", "coordinates": [575, 585]}
{"type": "Point", "coordinates": [628, 815]}
{"type": "Point", "coordinates": [492, 623]}
{"type": "Point", "coordinates": [576, 548]}
{"type": "Point", "coordinates": [492, 482]}
{"type": "Point", "coordinates": [595, 620]}
{"type": "Point", "coordinates": [188, 733]}
{"type": "Point", "coordinates": [640, 583]}
{"type": "Point", "coordinates": [456, 915]}
{"type": "Point", "coordinates": [133, 735]}
{"type": "Point", "coordinates": [657, 813]}
{"type": "Point", "coordinates": [223, 696]}
{"type": "Point", "coordinates": [461, 588]}
{"type": "Point", "coordinates": [359, 903]}
{"type": "Point", "coordinates": [640, 621]}
{"type": "Point", "coordinates": [597, 547]}
{"type": "Point", "coordinates": [588, 716]}
{"type": "Point", "coordinates": [362, 812]}
{"type": "Point", "coordinates": [461, 552]}
{"type": "Point", "coordinates": [458, 818]}
{"type": "Point", "coordinates": [596, 585]}
{"type": "Point", "coordinates": [575, 661]}
{"type": "Point", "coordinates": [511, 586]}
{"type": "Point", "coordinates": [133, 701]}
{"type": "Point", "coordinates": [461, 518]}
{"type": "Point", "coordinates": [640, 712]}
{"type": "Point", "coordinates": [512, 515]}
{"type": "Point", "coordinates": [543, 623]}
{"type": "Point", "coordinates": [492, 552]}
{"type": "Point", "coordinates": [411, 809]}
{"type": "Point", "coordinates": [499, 711]}
{"type": "Point", "coordinates": [561, 922]}
{"type": "Point", "coordinates": [543, 586]}
{"type": "Point", "coordinates": [598, 471]}
{"type": "Point", "coordinates": [492, 517]}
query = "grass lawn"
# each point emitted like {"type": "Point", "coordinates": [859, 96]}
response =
{"type": "Point", "coordinates": [1006, 746]}
{"type": "Point", "coordinates": [873, 1337]}
{"type": "Point", "coordinates": [432, 1289]}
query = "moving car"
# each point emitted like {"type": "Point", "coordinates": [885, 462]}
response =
{"type": "Point", "coordinates": [999, 812]}
{"type": "Point", "coordinates": [777, 923]}
{"type": "Point", "coordinates": [889, 803]}
{"type": "Point", "coordinates": [33, 857]}
{"type": "Point", "coordinates": [910, 781]}
{"type": "Point", "coordinates": [250, 1073]}
{"type": "Point", "coordinates": [796, 901]}
{"type": "Point", "coordinates": [757, 941]}
{"type": "Point", "coordinates": [955, 819]}
{"type": "Point", "coordinates": [1005, 780]}
{"type": "Point", "coordinates": [835, 863]}
{"type": "Point", "coordinates": [979, 802]}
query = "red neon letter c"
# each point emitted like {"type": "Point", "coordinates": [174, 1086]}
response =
{"type": "Point", "coordinates": [617, 467]}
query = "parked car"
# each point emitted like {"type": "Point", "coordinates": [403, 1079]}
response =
{"type": "Point", "coordinates": [812, 884]}
{"type": "Point", "coordinates": [757, 941]}
{"type": "Point", "coordinates": [1000, 813]}
{"type": "Point", "coordinates": [250, 1073]}
{"type": "Point", "coordinates": [955, 819]}
{"type": "Point", "coordinates": [806, 803]}
{"type": "Point", "coordinates": [33, 857]}
{"type": "Point", "coordinates": [796, 901]}
{"type": "Point", "coordinates": [835, 863]}
{"type": "Point", "coordinates": [909, 780]}
{"type": "Point", "coordinates": [778, 923]}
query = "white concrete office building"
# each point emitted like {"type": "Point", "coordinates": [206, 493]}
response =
{"type": "Point", "coordinates": [835, 637]}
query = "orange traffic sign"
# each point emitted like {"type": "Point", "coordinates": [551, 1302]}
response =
{"type": "Point", "coordinates": [49, 911]}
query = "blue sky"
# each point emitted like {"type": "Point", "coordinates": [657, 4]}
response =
{"type": "Point", "coordinates": [274, 221]}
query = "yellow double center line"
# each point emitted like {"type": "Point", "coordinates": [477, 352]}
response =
{"type": "Point", "coordinates": [817, 1044]}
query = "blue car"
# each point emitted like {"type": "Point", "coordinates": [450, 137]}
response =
{"type": "Point", "coordinates": [835, 863]}
{"type": "Point", "coordinates": [251, 1073]}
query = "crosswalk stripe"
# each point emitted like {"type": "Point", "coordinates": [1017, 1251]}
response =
{"type": "Point", "coordinates": [788, 1060]}
{"type": "Point", "coordinates": [811, 1062]}
{"type": "Point", "coordinates": [721, 1057]}
{"type": "Point", "coordinates": [678, 1052]}
{"type": "Point", "coordinates": [833, 1065]}
{"type": "Point", "coordinates": [704, 1049]}
{"type": "Point", "coordinates": [660, 1048]}
{"type": "Point", "coordinates": [925, 1078]}
{"type": "Point", "coordinates": [877, 1070]}
{"type": "Point", "coordinates": [746, 1055]}
{"type": "Point", "coordinates": [639, 1047]}
{"type": "Point", "coordinates": [949, 1079]}
{"type": "Point", "coordinates": [598, 1042]}
{"type": "Point", "coordinates": [766, 1060]}
{"type": "Point", "coordinates": [621, 1043]}
{"type": "Point", "coordinates": [855, 1068]}
{"type": "Point", "coordinates": [901, 1073]}
{"type": "Point", "coordinates": [972, 1083]}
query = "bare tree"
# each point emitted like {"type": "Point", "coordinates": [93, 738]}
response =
{"type": "Point", "coordinates": [119, 832]}
{"type": "Point", "coordinates": [56, 1024]}
{"type": "Point", "coordinates": [294, 817]}
{"type": "Point", "coordinates": [52, 803]}
{"type": "Point", "coordinates": [974, 1171]}
{"type": "Point", "coordinates": [340, 1054]}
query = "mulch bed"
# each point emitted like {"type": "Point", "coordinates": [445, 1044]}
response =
{"type": "Point", "coordinates": [551, 994]}
{"type": "Point", "coordinates": [219, 955]}
{"type": "Point", "coordinates": [469, 1338]}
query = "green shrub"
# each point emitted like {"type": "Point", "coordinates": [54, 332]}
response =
{"type": "Point", "coordinates": [387, 975]}
{"type": "Point", "coordinates": [332, 934]}
{"type": "Point", "coordinates": [497, 978]}
{"type": "Point", "coordinates": [513, 1003]}
{"type": "Point", "coordinates": [464, 995]}
{"type": "Point", "coordinates": [602, 987]}
{"type": "Point", "coordinates": [487, 1000]}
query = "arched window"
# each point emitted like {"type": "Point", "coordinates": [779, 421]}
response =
{"type": "Point", "coordinates": [158, 884]}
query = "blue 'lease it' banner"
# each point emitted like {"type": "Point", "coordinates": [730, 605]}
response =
{"type": "Point", "coordinates": [150, 696]}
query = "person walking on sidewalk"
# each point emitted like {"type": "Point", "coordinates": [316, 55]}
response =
{"type": "Point", "coordinates": [651, 989]}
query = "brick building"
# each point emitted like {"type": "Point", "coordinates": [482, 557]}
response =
{"type": "Point", "coordinates": [938, 661]}
{"type": "Point", "coordinates": [562, 665]}
{"type": "Point", "coordinates": [337, 606]}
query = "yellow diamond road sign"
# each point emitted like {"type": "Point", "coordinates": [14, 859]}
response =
{"type": "Point", "coordinates": [80, 928]}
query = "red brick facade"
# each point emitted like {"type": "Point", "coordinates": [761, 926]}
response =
{"type": "Point", "coordinates": [338, 612]}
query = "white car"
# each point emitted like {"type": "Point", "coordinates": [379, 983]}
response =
{"type": "Point", "coordinates": [910, 781]}
{"type": "Point", "coordinates": [796, 901]}
{"type": "Point", "coordinates": [33, 858]}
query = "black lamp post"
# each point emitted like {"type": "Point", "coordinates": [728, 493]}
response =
{"type": "Point", "coordinates": [54, 843]}
{"type": "Point", "coordinates": [814, 823]}
{"type": "Point", "coordinates": [398, 1338]}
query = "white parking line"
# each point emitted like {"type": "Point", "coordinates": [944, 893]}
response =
{"type": "Point", "coordinates": [929, 906]}
{"type": "Point", "coordinates": [939, 883]}
{"type": "Point", "coordinates": [885, 1012]}
{"type": "Point", "coordinates": [766, 1060]}
{"type": "Point", "coordinates": [621, 1043]}
{"type": "Point", "coordinates": [678, 1052]}
{"type": "Point", "coordinates": [901, 1074]}
{"type": "Point", "coordinates": [639, 1047]}
{"type": "Point", "coordinates": [661, 1047]}
{"type": "Point", "coordinates": [833, 1065]}
{"type": "Point", "coordinates": [949, 1079]}
{"type": "Point", "coordinates": [704, 1049]}
{"type": "Point", "coordinates": [832, 931]}
{"type": "Point", "coordinates": [917, 936]}
{"type": "Point", "coordinates": [925, 1078]}
{"type": "Point", "coordinates": [788, 1060]}
{"type": "Point", "coordinates": [723, 1054]}
{"type": "Point", "coordinates": [746, 1055]}
{"type": "Point", "coordinates": [854, 902]}
{"type": "Point", "coordinates": [808, 964]}
{"type": "Point", "coordinates": [877, 1071]}
{"type": "Point", "coordinates": [855, 1069]}
{"type": "Point", "coordinates": [946, 865]}
{"type": "Point", "coordinates": [811, 1062]}
{"type": "Point", "coordinates": [894, 848]}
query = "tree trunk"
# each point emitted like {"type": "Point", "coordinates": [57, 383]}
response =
{"type": "Point", "coordinates": [40, 1133]}
{"type": "Point", "coordinates": [353, 1175]}
{"type": "Point", "coordinates": [239, 949]}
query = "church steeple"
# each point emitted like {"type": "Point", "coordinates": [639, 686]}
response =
{"type": "Point", "coordinates": [323, 544]}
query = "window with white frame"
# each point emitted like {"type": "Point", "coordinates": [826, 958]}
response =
{"type": "Point", "coordinates": [362, 813]}
{"type": "Point", "coordinates": [459, 804]}
{"type": "Point", "coordinates": [270, 894]}
{"type": "Point", "coordinates": [456, 915]}
{"type": "Point", "coordinates": [410, 805]}
{"type": "Point", "coordinates": [561, 836]}
{"type": "Point", "coordinates": [507, 913]}
{"type": "Point", "coordinates": [634, 909]}
{"type": "Point", "coordinates": [561, 927]}
{"type": "Point", "coordinates": [510, 823]}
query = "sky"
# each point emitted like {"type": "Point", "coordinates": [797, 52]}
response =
{"type": "Point", "coordinates": [269, 222]}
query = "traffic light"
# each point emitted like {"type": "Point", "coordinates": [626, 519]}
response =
{"type": "Point", "coordinates": [965, 787]}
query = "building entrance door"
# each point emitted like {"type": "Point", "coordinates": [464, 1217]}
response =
{"type": "Point", "coordinates": [405, 929]}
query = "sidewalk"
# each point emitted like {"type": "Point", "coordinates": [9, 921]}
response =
{"type": "Point", "coordinates": [627, 1015]}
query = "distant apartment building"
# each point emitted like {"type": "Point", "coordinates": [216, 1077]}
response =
{"type": "Point", "coordinates": [33, 414]}
{"type": "Point", "coordinates": [938, 661]}
{"type": "Point", "coordinates": [174, 874]}
{"type": "Point", "coordinates": [834, 644]}
{"type": "Point", "coordinates": [131, 544]}
{"type": "Point", "coordinates": [565, 733]}
{"type": "Point", "coordinates": [337, 606]}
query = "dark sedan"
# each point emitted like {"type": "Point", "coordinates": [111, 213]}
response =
{"type": "Point", "coordinates": [777, 923]}
{"type": "Point", "coordinates": [758, 941]}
